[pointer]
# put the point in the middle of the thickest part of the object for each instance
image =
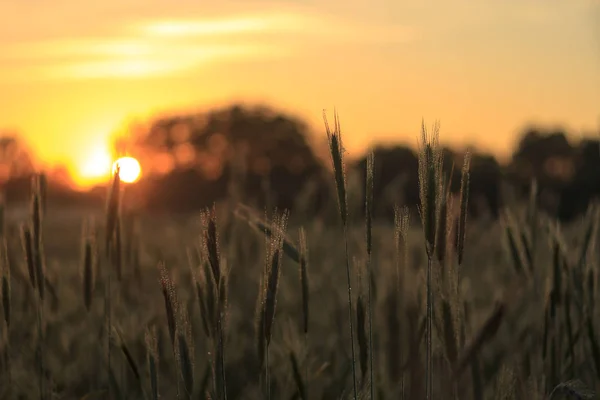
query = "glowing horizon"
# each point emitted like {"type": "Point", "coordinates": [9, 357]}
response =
{"type": "Point", "coordinates": [73, 73]}
{"type": "Point", "coordinates": [99, 167]}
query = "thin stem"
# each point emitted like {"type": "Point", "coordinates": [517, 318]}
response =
{"type": "Point", "coordinates": [429, 375]}
{"type": "Point", "coordinates": [41, 348]}
{"type": "Point", "coordinates": [267, 374]}
{"type": "Point", "coordinates": [306, 362]}
{"type": "Point", "coordinates": [107, 316]}
{"type": "Point", "coordinates": [214, 367]}
{"type": "Point", "coordinates": [7, 356]}
{"type": "Point", "coordinates": [370, 284]}
{"type": "Point", "coordinates": [222, 359]}
{"type": "Point", "coordinates": [402, 386]}
{"type": "Point", "coordinates": [350, 308]}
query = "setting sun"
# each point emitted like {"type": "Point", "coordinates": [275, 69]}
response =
{"type": "Point", "coordinates": [129, 169]}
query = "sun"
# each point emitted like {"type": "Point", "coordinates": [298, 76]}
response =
{"type": "Point", "coordinates": [130, 169]}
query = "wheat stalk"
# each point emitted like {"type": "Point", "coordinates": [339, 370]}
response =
{"type": "Point", "coordinates": [430, 185]}
{"type": "Point", "coordinates": [336, 150]}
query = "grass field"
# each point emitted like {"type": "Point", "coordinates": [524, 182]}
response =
{"type": "Point", "coordinates": [225, 305]}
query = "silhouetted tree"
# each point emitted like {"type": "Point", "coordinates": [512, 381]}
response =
{"type": "Point", "coordinates": [15, 158]}
{"type": "Point", "coordinates": [485, 181]}
{"type": "Point", "coordinates": [546, 156]}
{"type": "Point", "coordinates": [585, 183]}
{"type": "Point", "coordinates": [192, 160]}
{"type": "Point", "coordinates": [260, 148]}
{"type": "Point", "coordinates": [396, 178]}
{"type": "Point", "coordinates": [16, 166]}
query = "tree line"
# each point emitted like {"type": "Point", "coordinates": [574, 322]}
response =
{"type": "Point", "coordinates": [268, 158]}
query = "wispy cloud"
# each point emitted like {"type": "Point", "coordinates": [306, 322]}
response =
{"type": "Point", "coordinates": [88, 47]}
{"type": "Point", "coordinates": [160, 62]}
{"type": "Point", "coordinates": [141, 62]}
{"type": "Point", "coordinates": [198, 27]}
{"type": "Point", "coordinates": [277, 23]}
{"type": "Point", "coordinates": [157, 47]}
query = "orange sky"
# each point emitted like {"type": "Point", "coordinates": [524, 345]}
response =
{"type": "Point", "coordinates": [72, 71]}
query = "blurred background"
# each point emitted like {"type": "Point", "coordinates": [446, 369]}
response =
{"type": "Point", "coordinates": [222, 102]}
{"type": "Point", "coordinates": [201, 92]}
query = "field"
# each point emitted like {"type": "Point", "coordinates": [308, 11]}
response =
{"type": "Point", "coordinates": [266, 315]}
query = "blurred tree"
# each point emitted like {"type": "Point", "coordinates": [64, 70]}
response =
{"type": "Point", "coordinates": [16, 160]}
{"type": "Point", "coordinates": [585, 183]}
{"type": "Point", "coordinates": [257, 147]}
{"type": "Point", "coordinates": [486, 177]}
{"type": "Point", "coordinates": [264, 157]}
{"type": "Point", "coordinates": [546, 156]}
{"type": "Point", "coordinates": [16, 166]}
{"type": "Point", "coordinates": [396, 178]}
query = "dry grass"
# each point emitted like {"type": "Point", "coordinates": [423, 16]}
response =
{"type": "Point", "coordinates": [459, 309]}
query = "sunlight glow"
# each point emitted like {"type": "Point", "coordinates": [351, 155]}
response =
{"type": "Point", "coordinates": [81, 71]}
{"type": "Point", "coordinates": [130, 169]}
{"type": "Point", "coordinates": [157, 47]}
{"type": "Point", "coordinates": [97, 166]}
